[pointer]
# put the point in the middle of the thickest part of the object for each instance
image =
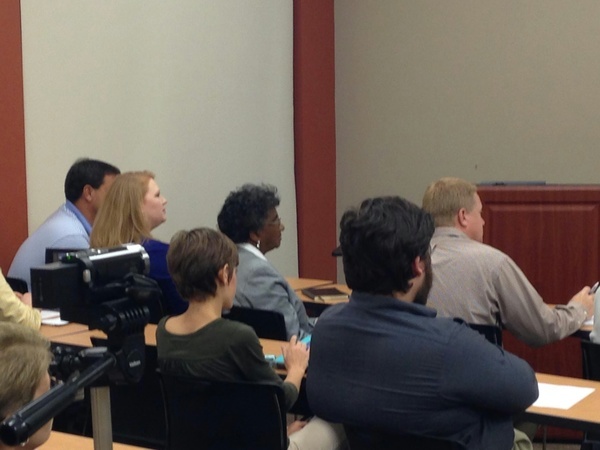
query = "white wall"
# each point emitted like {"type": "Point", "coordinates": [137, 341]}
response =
{"type": "Point", "coordinates": [198, 91]}
{"type": "Point", "coordinates": [484, 90]}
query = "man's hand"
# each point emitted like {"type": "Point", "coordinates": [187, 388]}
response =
{"type": "Point", "coordinates": [585, 299]}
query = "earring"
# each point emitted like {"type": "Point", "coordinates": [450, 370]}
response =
{"type": "Point", "coordinates": [258, 244]}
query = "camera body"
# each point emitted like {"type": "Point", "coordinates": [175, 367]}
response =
{"type": "Point", "coordinates": [81, 282]}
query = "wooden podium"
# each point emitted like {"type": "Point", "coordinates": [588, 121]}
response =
{"type": "Point", "coordinates": [552, 232]}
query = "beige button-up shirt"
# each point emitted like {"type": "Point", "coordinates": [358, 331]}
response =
{"type": "Point", "coordinates": [482, 285]}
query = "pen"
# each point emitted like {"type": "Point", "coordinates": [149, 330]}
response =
{"type": "Point", "coordinates": [595, 287]}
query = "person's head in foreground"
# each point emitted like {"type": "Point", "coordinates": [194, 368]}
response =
{"type": "Point", "coordinates": [202, 263]}
{"type": "Point", "coordinates": [24, 360]}
{"type": "Point", "coordinates": [454, 202]}
{"type": "Point", "coordinates": [385, 248]}
{"type": "Point", "coordinates": [249, 214]}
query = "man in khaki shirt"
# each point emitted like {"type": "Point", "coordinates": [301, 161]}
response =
{"type": "Point", "coordinates": [15, 307]}
{"type": "Point", "coordinates": [482, 285]}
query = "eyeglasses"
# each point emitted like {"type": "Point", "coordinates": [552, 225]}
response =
{"type": "Point", "coordinates": [275, 221]}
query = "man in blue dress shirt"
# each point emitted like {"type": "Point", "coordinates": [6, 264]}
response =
{"type": "Point", "coordinates": [70, 225]}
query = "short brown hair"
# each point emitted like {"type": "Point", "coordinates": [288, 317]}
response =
{"type": "Point", "coordinates": [446, 196]}
{"type": "Point", "coordinates": [195, 258]}
{"type": "Point", "coordinates": [24, 360]}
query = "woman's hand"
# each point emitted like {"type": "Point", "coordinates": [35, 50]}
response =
{"type": "Point", "coordinates": [295, 355]}
{"type": "Point", "coordinates": [296, 425]}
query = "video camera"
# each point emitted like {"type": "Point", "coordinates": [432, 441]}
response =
{"type": "Point", "coordinates": [82, 282]}
{"type": "Point", "coordinates": [105, 289]}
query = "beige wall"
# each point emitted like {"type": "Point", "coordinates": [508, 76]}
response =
{"type": "Point", "coordinates": [198, 91]}
{"type": "Point", "coordinates": [485, 90]}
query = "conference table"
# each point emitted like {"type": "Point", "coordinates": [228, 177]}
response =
{"type": "Point", "coordinates": [298, 284]}
{"type": "Point", "coordinates": [82, 338]}
{"type": "Point", "coordinates": [583, 415]}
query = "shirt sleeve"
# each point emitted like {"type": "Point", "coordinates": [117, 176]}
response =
{"type": "Point", "coordinates": [525, 313]}
{"type": "Point", "coordinates": [14, 310]}
{"type": "Point", "coordinates": [72, 241]}
{"type": "Point", "coordinates": [248, 355]}
{"type": "Point", "coordinates": [271, 286]}
{"type": "Point", "coordinates": [485, 376]}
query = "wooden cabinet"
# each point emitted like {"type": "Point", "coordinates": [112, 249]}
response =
{"type": "Point", "coordinates": [553, 233]}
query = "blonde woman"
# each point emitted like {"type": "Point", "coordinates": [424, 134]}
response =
{"type": "Point", "coordinates": [133, 208]}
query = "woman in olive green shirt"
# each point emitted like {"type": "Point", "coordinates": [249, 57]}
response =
{"type": "Point", "coordinates": [202, 263]}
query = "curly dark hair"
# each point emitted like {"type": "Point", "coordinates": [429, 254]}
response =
{"type": "Point", "coordinates": [380, 240]}
{"type": "Point", "coordinates": [245, 210]}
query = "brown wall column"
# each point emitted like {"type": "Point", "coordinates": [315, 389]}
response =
{"type": "Point", "coordinates": [314, 136]}
{"type": "Point", "coordinates": [13, 186]}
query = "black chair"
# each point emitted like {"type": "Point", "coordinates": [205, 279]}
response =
{"type": "Point", "coordinates": [314, 309]}
{"type": "Point", "coordinates": [590, 356]}
{"type": "Point", "coordinates": [365, 439]}
{"type": "Point", "coordinates": [492, 333]}
{"type": "Point", "coordinates": [17, 284]}
{"type": "Point", "coordinates": [208, 415]}
{"type": "Point", "coordinates": [266, 324]}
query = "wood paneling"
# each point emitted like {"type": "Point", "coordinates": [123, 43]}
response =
{"type": "Point", "coordinates": [13, 186]}
{"type": "Point", "coordinates": [553, 234]}
{"type": "Point", "coordinates": [314, 137]}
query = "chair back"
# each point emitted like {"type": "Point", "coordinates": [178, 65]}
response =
{"type": "Point", "coordinates": [17, 284]}
{"type": "Point", "coordinates": [590, 355]}
{"type": "Point", "coordinates": [210, 415]}
{"type": "Point", "coordinates": [367, 439]}
{"type": "Point", "coordinates": [492, 333]}
{"type": "Point", "coordinates": [267, 324]}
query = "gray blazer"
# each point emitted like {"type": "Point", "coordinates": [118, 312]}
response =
{"type": "Point", "coordinates": [260, 286]}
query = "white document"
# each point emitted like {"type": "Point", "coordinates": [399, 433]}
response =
{"type": "Point", "coordinates": [52, 317]}
{"type": "Point", "coordinates": [559, 396]}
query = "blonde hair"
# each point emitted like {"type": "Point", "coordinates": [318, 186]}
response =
{"type": "Point", "coordinates": [446, 196]}
{"type": "Point", "coordinates": [24, 360]}
{"type": "Point", "coordinates": [120, 219]}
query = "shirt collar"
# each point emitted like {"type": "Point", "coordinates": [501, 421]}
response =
{"type": "Point", "coordinates": [86, 225]}
{"type": "Point", "coordinates": [449, 232]}
{"type": "Point", "coordinates": [372, 301]}
{"type": "Point", "coordinates": [252, 249]}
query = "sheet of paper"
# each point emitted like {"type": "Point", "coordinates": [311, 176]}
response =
{"type": "Point", "coordinates": [52, 317]}
{"type": "Point", "coordinates": [560, 396]}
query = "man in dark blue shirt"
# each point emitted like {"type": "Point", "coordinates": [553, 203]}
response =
{"type": "Point", "coordinates": [384, 361]}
